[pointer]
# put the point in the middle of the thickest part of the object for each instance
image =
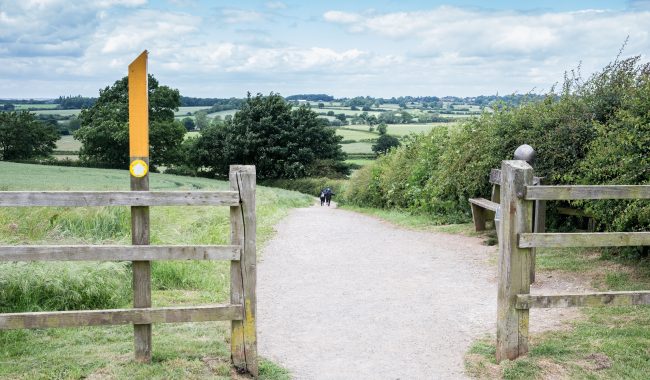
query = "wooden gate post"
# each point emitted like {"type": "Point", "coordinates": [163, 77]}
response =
{"type": "Point", "coordinates": [243, 273]}
{"type": "Point", "coordinates": [514, 262]}
{"type": "Point", "coordinates": [139, 168]}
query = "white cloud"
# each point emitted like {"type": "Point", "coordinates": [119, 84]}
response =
{"type": "Point", "coordinates": [341, 17]}
{"type": "Point", "coordinates": [495, 33]}
{"type": "Point", "coordinates": [145, 27]}
{"type": "Point", "coordinates": [276, 5]}
{"type": "Point", "coordinates": [236, 16]}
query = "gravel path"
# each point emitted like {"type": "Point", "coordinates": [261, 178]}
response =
{"type": "Point", "coordinates": [346, 296]}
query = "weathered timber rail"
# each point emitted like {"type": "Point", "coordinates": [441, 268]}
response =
{"type": "Point", "coordinates": [241, 253]}
{"type": "Point", "coordinates": [516, 268]}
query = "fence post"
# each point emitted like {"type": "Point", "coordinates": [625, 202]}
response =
{"type": "Point", "coordinates": [139, 156]}
{"type": "Point", "coordinates": [243, 273]}
{"type": "Point", "coordinates": [514, 262]}
{"type": "Point", "coordinates": [527, 153]}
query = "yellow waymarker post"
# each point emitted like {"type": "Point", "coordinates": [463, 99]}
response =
{"type": "Point", "coordinates": [139, 170]}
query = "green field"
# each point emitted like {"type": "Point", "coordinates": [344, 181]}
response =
{"type": "Point", "coordinates": [183, 111]}
{"type": "Point", "coordinates": [28, 106]}
{"type": "Point", "coordinates": [358, 147]}
{"type": "Point", "coordinates": [68, 143]}
{"type": "Point", "coordinates": [401, 129]}
{"type": "Point", "coordinates": [223, 114]}
{"type": "Point", "coordinates": [58, 112]}
{"type": "Point", "coordinates": [356, 134]}
{"type": "Point", "coordinates": [193, 351]}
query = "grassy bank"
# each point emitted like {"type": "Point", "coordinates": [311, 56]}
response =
{"type": "Point", "coordinates": [605, 343]}
{"type": "Point", "coordinates": [180, 350]}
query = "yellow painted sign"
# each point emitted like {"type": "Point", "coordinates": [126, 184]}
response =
{"type": "Point", "coordinates": [139, 168]}
{"type": "Point", "coordinates": [138, 107]}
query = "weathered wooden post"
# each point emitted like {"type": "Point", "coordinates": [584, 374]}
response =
{"type": "Point", "coordinates": [527, 153]}
{"type": "Point", "coordinates": [514, 262]}
{"type": "Point", "coordinates": [243, 273]}
{"type": "Point", "coordinates": [139, 169]}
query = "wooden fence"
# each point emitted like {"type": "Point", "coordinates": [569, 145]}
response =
{"type": "Point", "coordinates": [241, 253]}
{"type": "Point", "coordinates": [516, 263]}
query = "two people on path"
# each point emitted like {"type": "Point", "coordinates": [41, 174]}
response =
{"type": "Point", "coordinates": [326, 196]}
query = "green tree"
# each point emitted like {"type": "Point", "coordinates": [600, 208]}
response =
{"type": "Point", "coordinates": [384, 143]}
{"type": "Point", "coordinates": [22, 136]}
{"type": "Point", "coordinates": [381, 128]}
{"type": "Point", "coordinates": [201, 119]}
{"type": "Point", "coordinates": [188, 123]}
{"type": "Point", "coordinates": [266, 132]}
{"type": "Point", "coordinates": [104, 132]}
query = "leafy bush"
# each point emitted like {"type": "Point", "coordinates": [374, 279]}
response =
{"type": "Point", "coordinates": [592, 132]}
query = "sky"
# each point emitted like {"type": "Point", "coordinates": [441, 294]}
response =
{"type": "Point", "coordinates": [346, 48]}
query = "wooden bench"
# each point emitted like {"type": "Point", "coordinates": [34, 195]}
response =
{"type": "Point", "coordinates": [480, 209]}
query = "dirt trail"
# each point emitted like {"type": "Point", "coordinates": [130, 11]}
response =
{"type": "Point", "coordinates": [346, 296]}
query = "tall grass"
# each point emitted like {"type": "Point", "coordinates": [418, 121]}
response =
{"type": "Point", "coordinates": [62, 286]}
{"type": "Point", "coordinates": [73, 285]}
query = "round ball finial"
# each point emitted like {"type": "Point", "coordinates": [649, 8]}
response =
{"type": "Point", "coordinates": [526, 153]}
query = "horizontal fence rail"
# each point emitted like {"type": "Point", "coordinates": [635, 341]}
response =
{"type": "Point", "coordinates": [560, 193]}
{"type": "Point", "coordinates": [241, 254]}
{"type": "Point", "coordinates": [118, 198]}
{"type": "Point", "coordinates": [599, 239]}
{"type": "Point", "coordinates": [118, 252]}
{"type": "Point", "coordinates": [527, 301]}
{"type": "Point", "coordinates": [57, 319]}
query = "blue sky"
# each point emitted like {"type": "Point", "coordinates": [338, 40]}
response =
{"type": "Point", "coordinates": [344, 48]}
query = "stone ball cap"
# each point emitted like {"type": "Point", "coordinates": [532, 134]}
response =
{"type": "Point", "coordinates": [526, 153]}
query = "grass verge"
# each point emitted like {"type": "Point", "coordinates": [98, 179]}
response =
{"type": "Point", "coordinates": [418, 222]}
{"type": "Point", "coordinates": [180, 351]}
{"type": "Point", "coordinates": [606, 343]}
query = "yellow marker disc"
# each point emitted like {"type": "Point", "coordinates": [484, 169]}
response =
{"type": "Point", "coordinates": [139, 168]}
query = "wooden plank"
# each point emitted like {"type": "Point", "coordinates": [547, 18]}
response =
{"type": "Point", "coordinates": [539, 225]}
{"type": "Point", "coordinates": [118, 198]}
{"type": "Point", "coordinates": [495, 178]}
{"type": "Point", "coordinates": [588, 192]}
{"type": "Point", "coordinates": [57, 319]}
{"type": "Point", "coordinates": [514, 262]}
{"type": "Point", "coordinates": [484, 203]}
{"type": "Point", "coordinates": [527, 301]}
{"type": "Point", "coordinates": [236, 283]}
{"type": "Point", "coordinates": [478, 216]}
{"type": "Point", "coordinates": [118, 252]}
{"type": "Point", "coordinates": [597, 239]}
{"type": "Point", "coordinates": [244, 273]}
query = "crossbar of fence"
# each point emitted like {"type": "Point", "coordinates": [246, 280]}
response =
{"type": "Point", "coordinates": [117, 198]}
{"type": "Point", "coordinates": [118, 252]}
{"type": "Point", "coordinates": [241, 253]}
{"type": "Point", "coordinates": [516, 242]}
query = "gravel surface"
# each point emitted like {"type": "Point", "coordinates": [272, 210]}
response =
{"type": "Point", "coordinates": [346, 296]}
